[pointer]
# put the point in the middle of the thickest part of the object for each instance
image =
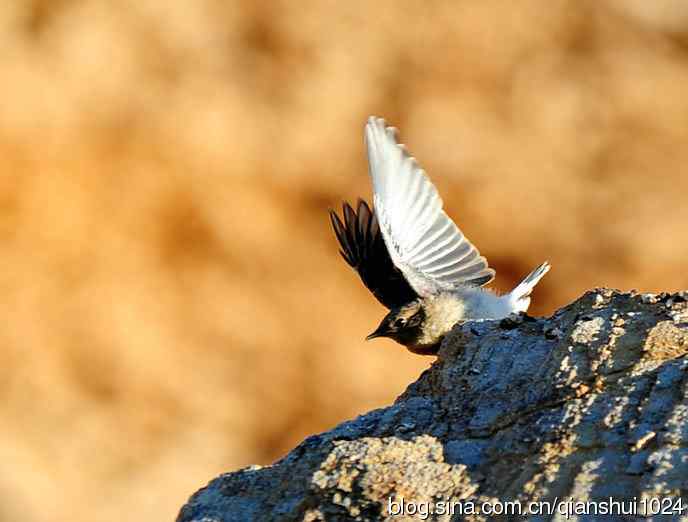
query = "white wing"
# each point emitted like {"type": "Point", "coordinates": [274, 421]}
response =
{"type": "Point", "coordinates": [423, 242]}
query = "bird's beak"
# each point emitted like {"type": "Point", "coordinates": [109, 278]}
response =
{"type": "Point", "coordinates": [380, 332]}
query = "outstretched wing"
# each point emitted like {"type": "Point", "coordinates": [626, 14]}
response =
{"type": "Point", "coordinates": [363, 248]}
{"type": "Point", "coordinates": [423, 242]}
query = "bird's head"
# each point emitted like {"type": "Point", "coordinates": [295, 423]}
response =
{"type": "Point", "coordinates": [403, 324]}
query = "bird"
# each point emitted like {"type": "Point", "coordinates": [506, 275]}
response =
{"type": "Point", "coordinates": [411, 255]}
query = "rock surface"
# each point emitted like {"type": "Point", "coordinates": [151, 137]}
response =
{"type": "Point", "coordinates": [589, 404]}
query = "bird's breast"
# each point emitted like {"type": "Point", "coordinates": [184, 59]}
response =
{"type": "Point", "coordinates": [424, 349]}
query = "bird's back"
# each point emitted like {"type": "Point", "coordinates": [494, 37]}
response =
{"type": "Point", "coordinates": [483, 303]}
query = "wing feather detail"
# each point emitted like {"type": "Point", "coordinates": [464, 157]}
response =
{"type": "Point", "coordinates": [364, 249]}
{"type": "Point", "coordinates": [423, 242]}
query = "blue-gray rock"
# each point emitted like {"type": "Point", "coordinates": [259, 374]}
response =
{"type": "Point", "coordinates": [589, 404]}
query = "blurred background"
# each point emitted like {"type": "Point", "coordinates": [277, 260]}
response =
{"type": "Point", "coordinates": [173, 303]}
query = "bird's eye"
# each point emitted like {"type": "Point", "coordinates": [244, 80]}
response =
{"type": "Point", "coordinates": [399, 322]}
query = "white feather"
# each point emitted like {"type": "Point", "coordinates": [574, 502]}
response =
{"type": "Point", "coordinates": [423, 242]}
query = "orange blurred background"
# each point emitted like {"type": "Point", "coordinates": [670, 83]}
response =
{"type": "Point", "coordinates": [173, 302]}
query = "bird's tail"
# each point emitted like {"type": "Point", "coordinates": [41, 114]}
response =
{"type": "Point", "coordinates": [520, 296]}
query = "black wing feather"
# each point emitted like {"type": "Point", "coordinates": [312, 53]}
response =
{"type": "Point", "coordinates": [364, 249]}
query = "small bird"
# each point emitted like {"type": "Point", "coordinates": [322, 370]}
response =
{"type": "Point", "coordinates": [413, 257]}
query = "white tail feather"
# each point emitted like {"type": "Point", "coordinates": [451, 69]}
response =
{"type": "Point", "coordinates": [520, 296]}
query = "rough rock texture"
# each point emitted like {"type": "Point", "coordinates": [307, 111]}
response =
{"type": "Point", "coordinates": [587, 404]}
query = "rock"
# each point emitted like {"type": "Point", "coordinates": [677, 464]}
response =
{"type": "Point", "coordinates": [589, 404]}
